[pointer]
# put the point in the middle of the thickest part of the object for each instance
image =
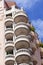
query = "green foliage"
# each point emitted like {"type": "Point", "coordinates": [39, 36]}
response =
{"type": "Point", "coordinates": [32, 29]}
{"type": "Point", "coordinates": [41, 45]}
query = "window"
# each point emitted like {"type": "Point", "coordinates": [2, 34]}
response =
{"type": "Point", "coordinates": [10, 26]}
{"type": "Point", "coordinates": [9, 15]}
{"type": "Point", "coordinates": [9, 52]}
{"type": "Point", "coordinates": [10, 39]}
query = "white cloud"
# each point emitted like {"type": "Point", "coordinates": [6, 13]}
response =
{"type": "Point", "coordinates": [27, 3]}
{"type": "Point", "coordinates": [38, 24]}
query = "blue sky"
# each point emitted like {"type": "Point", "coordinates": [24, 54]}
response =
{"type": "Point", "coordinates": [34, 10]}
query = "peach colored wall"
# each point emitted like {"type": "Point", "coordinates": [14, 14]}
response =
{"type": "Point", "coordinates": [2, 51]}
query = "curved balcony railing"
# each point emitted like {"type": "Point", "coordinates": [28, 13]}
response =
{"type": "Point", "coordinates": [9, 32]}
{"type": "Point", "coordinates": [30, 63]}
{"type": "Point", "coordinates": [22, 50]}
{"type": "Point", "coordinates": [20, 13]}
{"type": "Point", "coordinates": [8, 20]}
{"type": "Point", "coordinates": [9, 59]}
{"type": "Point", "coordinates": [23, 54]}
{"type": "Point", "coordinates": [23, 64]}
{"type": "Point", "coordinates": [9, 45]}
{"type": "Point", "coordinates": [8, 29]}
{"type": "Point", "coordinates": [22, 42]}
{"type": "Point", "coordinates": [20, 16]}
{"type": "Point", "coordinates": [21, 29]}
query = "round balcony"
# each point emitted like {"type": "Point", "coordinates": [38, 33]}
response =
{"type": "Point", "coordinates": [34, 60]}
{"type": "Point", "coordinates": [9, 45]}
{"type": "Point", "coordinates": [37, 43]}
{"type": "Point", "coordinates": [8, 33]}
{"type": "Point", "coordinates": [8, 20]}
{"type": "Point", "coordinates": [20, 16]}
{"type": "Point", "coordinates": [32, 34]}
{"type": "Point", "coordinates": [22, 56]}
{"type": "Point", "coordinates": [41, 51]}
{"type": "Point", "coordinates": [21, 29]}
{"type": "Point", "coordinates": [9, 59]}
{"type": "Point", "coordinates": [33, 46]}
{"type": "Point", "coordinates": [22, 42]}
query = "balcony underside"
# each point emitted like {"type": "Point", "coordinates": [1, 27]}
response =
{"type": "Point", "coordinates": [9, 62]}
{"type": "Point", "coordinates": [22, 44]}
{"type": "Point", "coordinates": [21, 31]}
{"type": "Point", "coordinates": [20, 18]}
{"type": "Point", "coordinates": [9, 35]}
{"type": "Point", "coordinates": [8, 23]}
{"type": "Point", "coordinates": [22, 59]}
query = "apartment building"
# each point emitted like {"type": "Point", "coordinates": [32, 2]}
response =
{"type": "Point", "coordinates": [19, 43]}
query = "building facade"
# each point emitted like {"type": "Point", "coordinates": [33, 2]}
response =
{"type": "Point", "coordinates": [19, 43]}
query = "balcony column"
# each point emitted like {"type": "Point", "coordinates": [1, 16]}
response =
{"type": "Point", "coordinates": [31, 63]}
{"type": "Point", "coordinates": [13, 38]}
{"type": "Point", "coordinates": [4, 10]}
{"type": "Point", "coordinates": [13, 9]}
{"type": "Point", "coordinates": [5, 27]}
{"type": "Point", "coordinates": [5, 41]}
{"type": "Point", "coordinates": [15, 63]}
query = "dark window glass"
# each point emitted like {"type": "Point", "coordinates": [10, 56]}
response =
{"type": "Point", "coordinates": [9, 52]}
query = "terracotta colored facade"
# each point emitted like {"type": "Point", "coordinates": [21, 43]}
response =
{"type": "Point", "coordinates": [9, 4]}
